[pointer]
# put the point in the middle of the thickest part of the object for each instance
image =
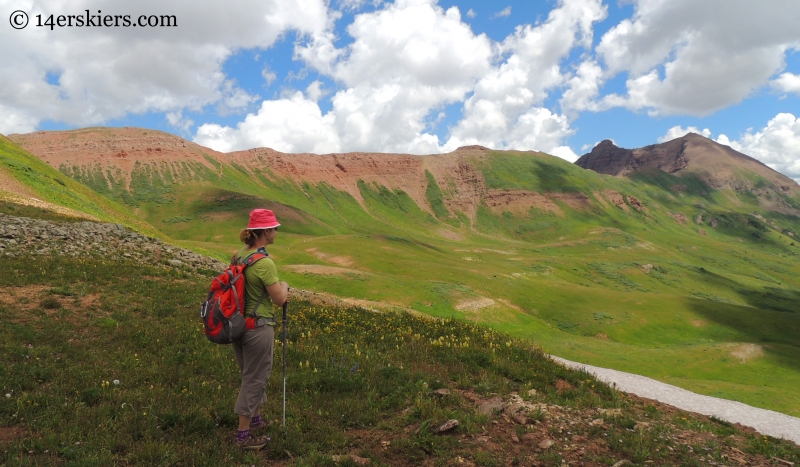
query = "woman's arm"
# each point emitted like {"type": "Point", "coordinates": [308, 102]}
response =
{"type": "Point", "coordinates": [279, 292]}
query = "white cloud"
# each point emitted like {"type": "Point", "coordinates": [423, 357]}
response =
{"type": "Point", "coordinates": [16, 121]}
{"type": "Point", "coordinates": [471, 13]}
{"type": "Point", "coordinates": [294, 124]}
{"type": "Point", "coordinates": [787, 82]}
{"type": "Point", "coordinates": [177, 120]}
{"type": "Point", "coordinates": [777, 144]}
{"type": "Point", "coordinates": [269, 76]}
{"type": "Point", "coordinates": [583, 89]}
{"type": "Point", "coordinates": [107, 73]}
{"type": "Point", "coordinates": [504, 13]}
{"type": "Point", "coordinates": [406, 62]}
{"type": "Point", "coordinates": [233, 98]}
{"type": "Point", "coordinates": [314, 91]}
{"type": "Point", "coordinates": [678, 131]}
{"type": "Point", "coordinates": [507, 102]}
{"type": "Point", "coordinates": [688, 57]}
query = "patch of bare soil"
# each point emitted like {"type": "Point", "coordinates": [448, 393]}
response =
{"type": "Point", "coordinates": [679, 218]}
{"type": "Point", "coordinates": [326, 299]}
{"type": "Point", "coordinates": [329, 258]}
{"type": "Point", "coordinates": [577, 201]}
{"type": "Point", "coordinates": [633, 201]}
{"type": "Point", "coordinates": [698, 323]}
{"type": "Point", "coordinates": [746, 352]}
{"type": "Point", "coordinates": [23, 298]}
{"type": "Point", "coordinates": [474, 305]}
{"type": "Point", "coordinates": [600, 199]}
{"type": "Point", "coordinates": [11, 185]}
{"type": "Point", "coordinates": [325, 270]}
{"type": "Point", "coordinates": [450, 235]}
{"type": "Point", "coordinates": [26, 298]}
{"type": "Point", "coordinates": [520, 202]}
{"type": "Point", "coordinates": [10, 434]}
{"type": "Point", "coordinates": [510, 305]}
{"type": "Point", "coordinates": [615, 197]}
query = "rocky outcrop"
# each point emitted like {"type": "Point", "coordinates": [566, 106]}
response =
{"type": "Point", "coordinates": [22, 236]}
{"type": "Point", "coordinates": [607, 158]}
{"type": "Point", "coordinates": [717, 165]}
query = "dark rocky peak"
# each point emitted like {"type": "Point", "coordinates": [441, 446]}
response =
{"type": "Point", "coordinates": [606, 158]}
{"type": "Point", "coordinates": [718, 165]}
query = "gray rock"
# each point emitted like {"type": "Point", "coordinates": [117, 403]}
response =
{"type": "Point", "coordinates": [491, 406]}
{"type": "Point", "coordinates": [175, 262]}
{"type": "Point", "coordinates": [446, 426]}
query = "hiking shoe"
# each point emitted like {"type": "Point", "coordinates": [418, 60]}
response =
{"type": "Point", "coordinates": [253, 443]}
{"type": "Point", "coordinates": [260, 426]}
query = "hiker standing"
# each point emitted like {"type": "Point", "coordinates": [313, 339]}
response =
{"type": "Point", "coordinates": [254, 350]}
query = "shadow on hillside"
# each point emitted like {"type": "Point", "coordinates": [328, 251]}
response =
{"type": "Point", "coordinates": [689, 183]}
{"type": "Point", "coordinates": [553, 178]}
{"type": "Point", "coordinates": [772, 320]}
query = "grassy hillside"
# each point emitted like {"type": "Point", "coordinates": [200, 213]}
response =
{"type": "Point", "coordinates": [54, 187]}
{"type": "Point", "coordinates": [105, 363]}
{"type": "Point", "coordinates": [654, 274]}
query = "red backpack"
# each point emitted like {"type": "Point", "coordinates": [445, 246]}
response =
{"type": "Point", "coordinates": [223, 311]}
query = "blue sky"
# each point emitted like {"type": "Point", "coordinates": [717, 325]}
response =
{"type": "Point", "coordinates": [420, 76]}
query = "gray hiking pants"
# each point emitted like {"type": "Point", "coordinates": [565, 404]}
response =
{"type": "Point", "coordinates": [254, 356]}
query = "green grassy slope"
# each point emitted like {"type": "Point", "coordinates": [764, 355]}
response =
{"type": "Point", "coordinates": [698, 288]}
{"type": "Point", "coordinates": [54, 187]}
{"type": "Point", "coordinates": [112, 368]}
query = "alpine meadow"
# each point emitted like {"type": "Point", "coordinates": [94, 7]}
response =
{"type": "Point", "coordinates": [678, 261]}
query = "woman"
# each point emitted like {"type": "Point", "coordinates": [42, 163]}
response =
{"type": "Point", "coordinates": [254, 350]}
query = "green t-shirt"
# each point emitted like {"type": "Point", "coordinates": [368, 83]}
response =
{"type": "Point", "coordinates": [258, 277]}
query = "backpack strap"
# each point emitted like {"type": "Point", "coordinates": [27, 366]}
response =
{"type": "Point", "coordinates": [256, 255]}
{"type": "Point", "coordinates": [258, 303]}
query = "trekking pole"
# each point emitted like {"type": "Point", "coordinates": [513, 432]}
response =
{"type": "Point", "coordinates": [285, 306]}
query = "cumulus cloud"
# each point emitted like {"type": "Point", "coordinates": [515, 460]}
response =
{"type": "Point", "coordinates": [405, 63]}
{"type": "Point", "coordinates": [583, 89]}
{"type": "Point", "coordinates": [505, 110]}
{"type": "Point", "coordinates": [410, 59]}
{"type": "Point", "coordinates": [293, 124]}
{"type": "Point", "coordinates": [687, 57]}
{"type": "Point", "coordinates": [471, 13]}
{"type": "Point", "coordinates": [678, 131]}
{"type": "Point", "coordinates": [314, 91]}
{"type": "Point", "coordinates": [787, 82]}
{"type": "Point", "coordinates": [777, 144]}
{"type": "Point", "coordinates": [105, 73]}
{"type": "Point", "coordinates": [178, 121]}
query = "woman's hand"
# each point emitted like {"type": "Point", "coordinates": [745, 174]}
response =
{"type": "Point", "coordinates": [279, 293]}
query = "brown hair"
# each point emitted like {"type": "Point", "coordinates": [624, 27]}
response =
{"type": "Point", "coordinates": [249, 237]}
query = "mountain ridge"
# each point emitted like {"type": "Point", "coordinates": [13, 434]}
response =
{"type": "Point", "coordinates": [691, 153]}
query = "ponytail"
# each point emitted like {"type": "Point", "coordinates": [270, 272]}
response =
{"type": "Point", "coordinates": [249, 237]}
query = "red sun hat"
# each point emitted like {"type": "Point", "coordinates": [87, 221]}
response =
{"type": "Point", "coordinates": [262, 219]}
